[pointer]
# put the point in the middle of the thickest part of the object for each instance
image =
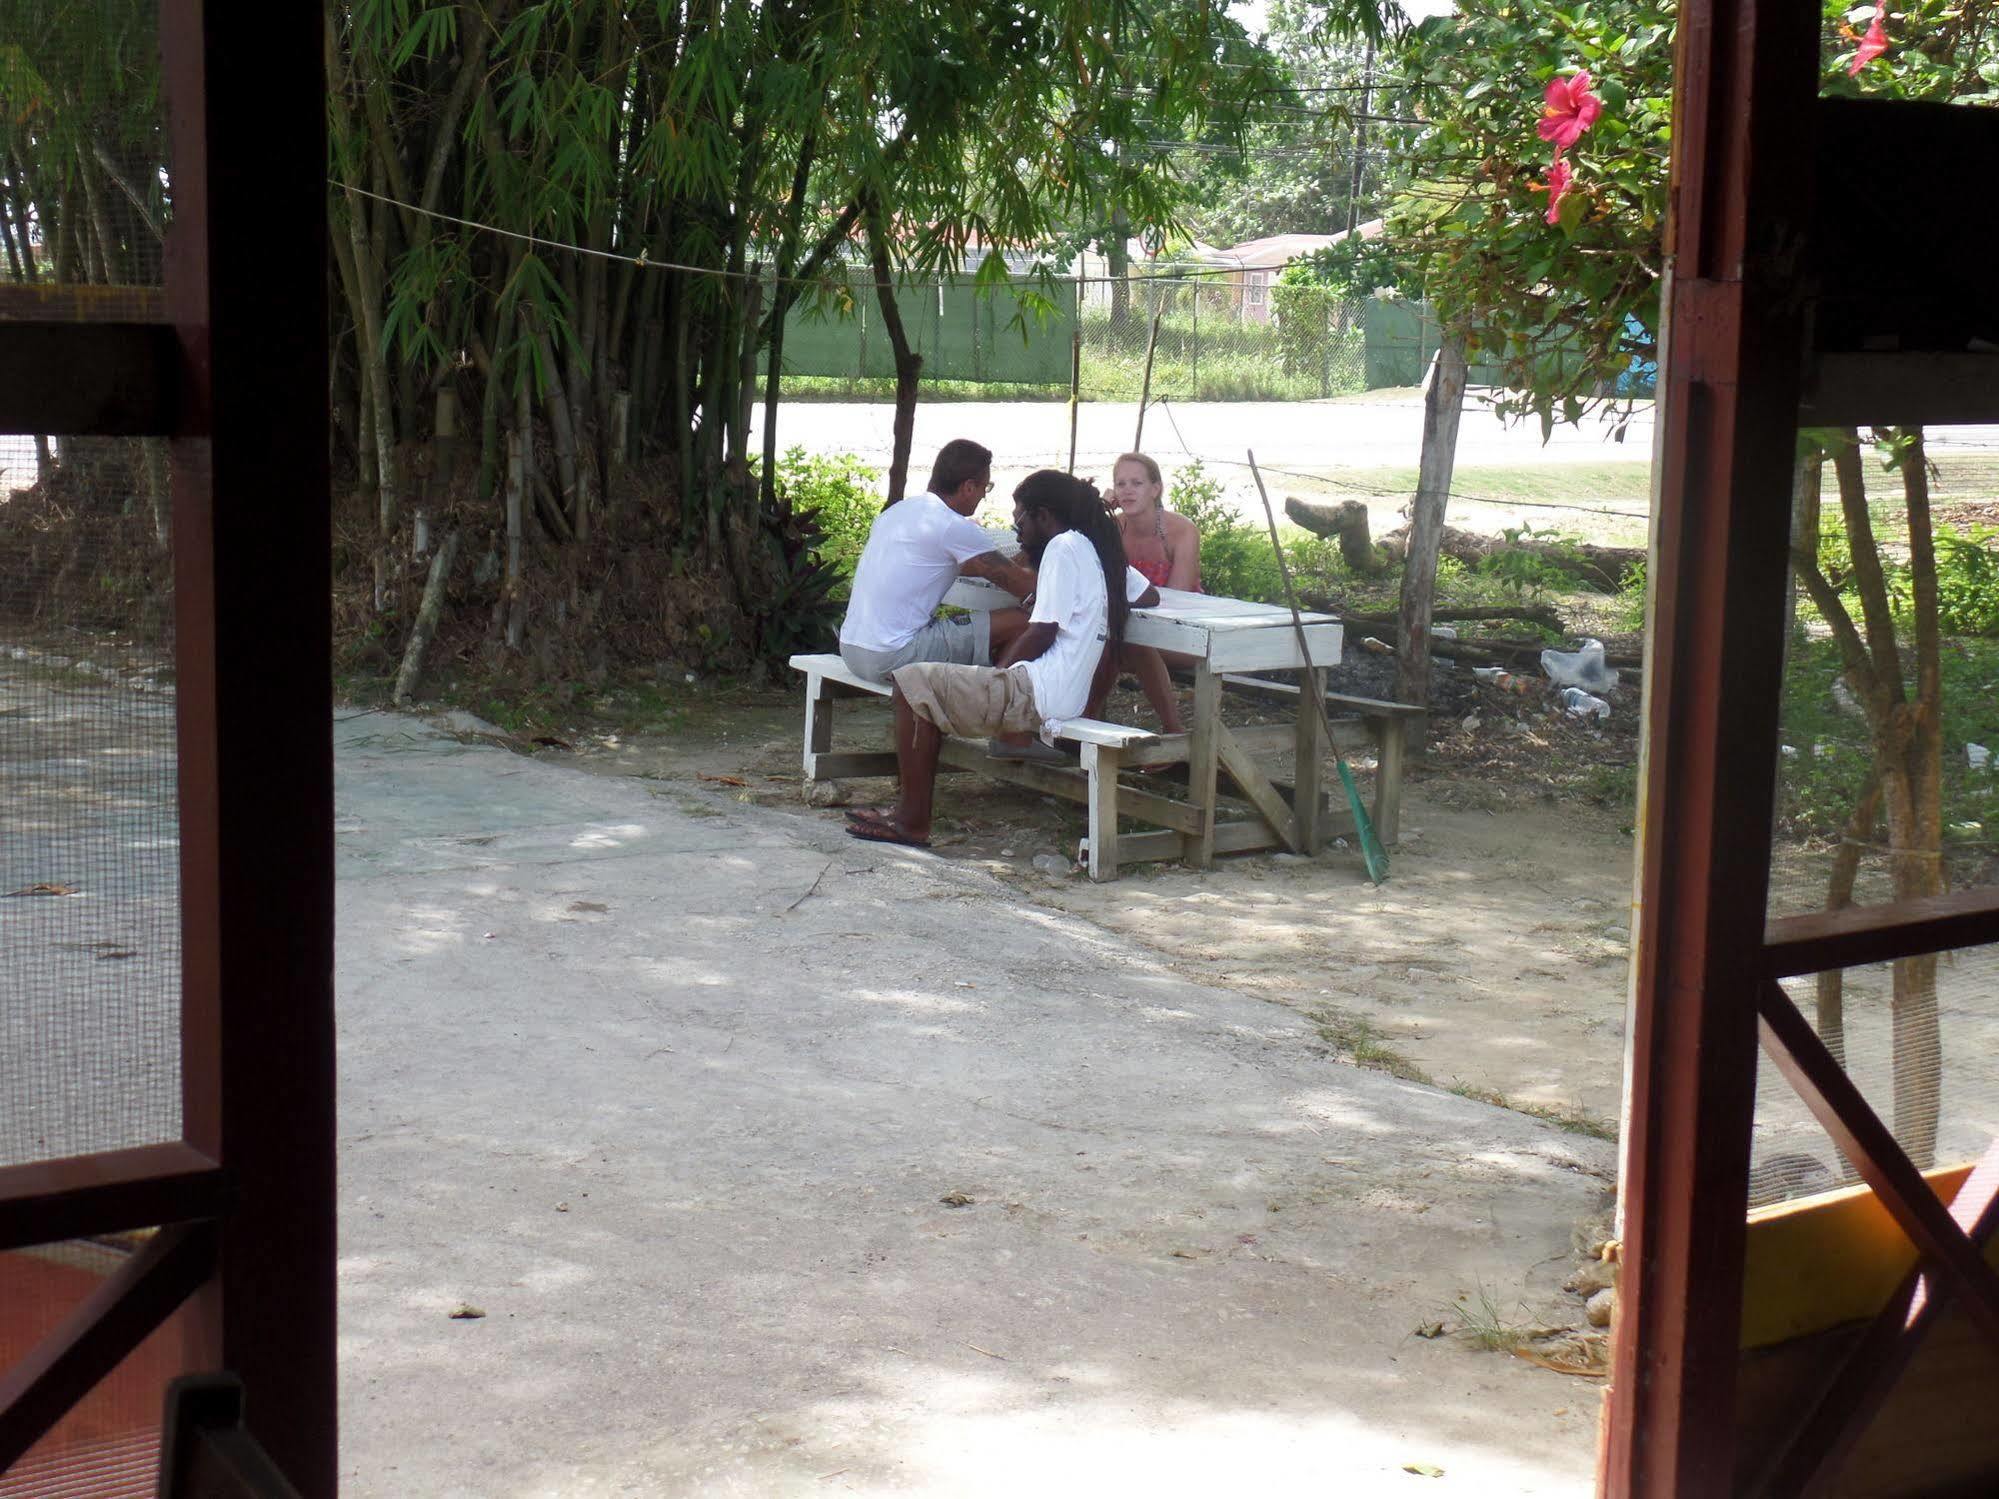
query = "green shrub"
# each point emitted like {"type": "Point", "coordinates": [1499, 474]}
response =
{"type": "Point", "coordinates": [1968, 580]}
{"type": "Point", "coordinates": [840, 496]}
{"type": "Point", "coordinates": [1236, 559]}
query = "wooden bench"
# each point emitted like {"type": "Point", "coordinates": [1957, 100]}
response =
{"type": "Point", "coordinates": [1102, 750]}
{"type": "Point", "coordinates": [1387, 724]}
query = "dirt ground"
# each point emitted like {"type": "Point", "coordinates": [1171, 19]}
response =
{"type": "Point", "coordinates": [1493, 962]}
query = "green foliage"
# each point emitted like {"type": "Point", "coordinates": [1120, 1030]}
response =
{"type": "Point", "coordinates": [1968, 580]}
{"type": "Point", "coordinates": [1628, 615]}
{"type": "Point", "coordinates": [1563, 309]}
{"type": "Point", "coordinates": [1831, 749]}
{"type": "Point", "coordinates": [1236, 559]}
{"type": "Point", "coordinates": [840, 496]}
{"type": "Point", "coordinates": [1525, 574]}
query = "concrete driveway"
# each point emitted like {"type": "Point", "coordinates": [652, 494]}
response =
{"type": "Point", "coordinates": [680, 1094]}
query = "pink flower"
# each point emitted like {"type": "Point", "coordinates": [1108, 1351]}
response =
{"type": "Point", "coordinates": [1571, 109]}
{"type": "Point", "coordinates": [1872, 45]}
{"type": "Point", "coordinates": [1561, 178]}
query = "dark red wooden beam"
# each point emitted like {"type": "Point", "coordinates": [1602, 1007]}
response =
{"type": "Point", "coordinates": [86, 379]}
{"type": "Point", "coordinates": [115, 1190]}
{"type": "Point", "coordinates": [95, 1337]}
{"type": "Point", "coordinates": [1825, 940]}
{"type": "Point", "coordinates": [246, 288]}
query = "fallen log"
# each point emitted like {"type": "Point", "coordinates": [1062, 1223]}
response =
{"type": "Point", "coordinates": [1539, 614]}
{"type": "Point", "coordinates": [1601, 567]}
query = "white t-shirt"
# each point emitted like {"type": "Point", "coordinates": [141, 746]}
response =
{"type": "Point", "coordinates": [908, 565]}
{"type": "Point", "coordinates": [1069, 594]}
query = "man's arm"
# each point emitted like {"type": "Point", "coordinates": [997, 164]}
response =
{"type": "Point", "coordinates": [1029, 644]}
{"type": "Point", "coordinates": [1146, 600]}
{"type": "Point", "coordinates": [1015, 577]}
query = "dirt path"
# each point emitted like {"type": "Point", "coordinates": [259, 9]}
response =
{"type": "Point", "coordinates": [1493, 962]}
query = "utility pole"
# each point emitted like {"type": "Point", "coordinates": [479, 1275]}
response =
{"type": "Point", "coordinates": [1360, 136]}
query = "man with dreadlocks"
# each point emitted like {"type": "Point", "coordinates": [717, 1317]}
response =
{"type": "Point", "coordinates": [1058, 667]}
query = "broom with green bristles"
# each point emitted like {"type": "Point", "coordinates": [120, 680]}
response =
{"type": "Point", "coordinates": [1370, 846]}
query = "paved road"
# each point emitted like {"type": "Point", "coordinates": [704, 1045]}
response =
{"type": "Point", "coordinates": [678, 1091]}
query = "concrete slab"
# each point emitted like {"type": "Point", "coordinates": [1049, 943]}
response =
{"type": "Point", "coordinates": [677, 1091]}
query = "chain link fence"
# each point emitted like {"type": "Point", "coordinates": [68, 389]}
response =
{"type": "Point", "coordinates": [1229, 337]}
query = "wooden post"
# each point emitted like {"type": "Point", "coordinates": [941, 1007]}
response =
{"type": "Point", "coordinates": [1203, 753]}
{"type": "Point", "coordinates": [1310, 750]}
{"type": "Point", "coordinates": [1101, 762]}
{"type": "Point", "coordinates": [1145, 390]}
{"type": "Point", "coordinates": [1442, 404]}
{"type": "Point", "coordinates": [1075, 391]}
{"type": "Point", "coordinates": [427, 614]}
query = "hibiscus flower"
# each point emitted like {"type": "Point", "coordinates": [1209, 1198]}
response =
{"type": "Point", "coordinates": [1872, 45]}
{"type": "Point", "coordinates": [1561, 178]}
{"type": "Point", "coordinates": [1571, 109]}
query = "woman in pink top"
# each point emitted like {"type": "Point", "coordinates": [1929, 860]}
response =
{"type": "Point", "coordinates": [1166, 548]}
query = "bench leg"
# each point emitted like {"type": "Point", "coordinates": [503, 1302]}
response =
{"type": "Point", "coordinates": [1101, 763]}
{"type": "Point", "coordinates": [818, 722]}
{"type": "Point", "coordinates": [1391, 736]}
{"type": "Point", "coordinates": [1310, 747]}
{"type": "Point", "coordinates": [1203, 752]}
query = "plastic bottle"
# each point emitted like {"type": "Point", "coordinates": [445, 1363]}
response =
{"type": "Point", "coordinates": [1579, 704]}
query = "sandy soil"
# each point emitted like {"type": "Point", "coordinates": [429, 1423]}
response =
{"type": "Point", "coordinates": [1493, 961]}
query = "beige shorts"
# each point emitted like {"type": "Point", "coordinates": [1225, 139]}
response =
{"type": "Point", "coordinates": [971, 701]}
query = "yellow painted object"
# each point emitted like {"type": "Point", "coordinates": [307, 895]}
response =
{"type": "Point", "coordinates": [1816, 1263]}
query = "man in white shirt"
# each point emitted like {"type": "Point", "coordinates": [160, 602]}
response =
{"type": "Point", "coordinates": [1053, 670]}
{"type": "Point", "coordinates": [916, 549]}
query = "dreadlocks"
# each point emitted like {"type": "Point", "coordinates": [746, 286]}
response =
{"type": "Point", "coordinates": [1079, 507]}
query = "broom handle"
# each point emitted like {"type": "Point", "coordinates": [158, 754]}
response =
{"type": "Point", "coordinates": [1311, 685]}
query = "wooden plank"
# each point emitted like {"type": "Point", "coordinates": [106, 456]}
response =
{"type": "Point", "coordinates": [1101, 762]}
{"type": "Point", "coordinates": [1830, 1259]}
{"type": "Point", "coordinates": [1166, 634]}
{"type": "Point", "coordinates": [83, 379]}
{"type": "Point", "coordinates": [1264, 649]}
{"type": "Point", "coordinates": [1249, 776]}
{"type": "Point", "coordinates": [1229, 838]}
{"type": "Point", "coordinates": [73, 302]}
{"type": "Point", "coordinates": [1825, 940]}
{"type": "Point", "coordinates": [1202, 758]}
{"type": "Point", "coordinates": [1308, 744]}
{"type": "Point", "coordinates": [818, 724]}
{"type": "Point", "coordinates": [1268, 738]}
{"type": "Point", "coordinates": [1860, 1135]}
{"type": "Point", "coordinates": [42, 1202]}
{"type": "Point", "coordinates": [1391, 739]}
{"type": "Point", "coordinates": [845, 763]}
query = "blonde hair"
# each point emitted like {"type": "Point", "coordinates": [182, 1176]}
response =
{"type": "Point", "coordinates": [1151, 469]}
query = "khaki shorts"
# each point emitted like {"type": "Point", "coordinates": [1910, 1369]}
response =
{"type": "Point", "coordinates": [971, 701]}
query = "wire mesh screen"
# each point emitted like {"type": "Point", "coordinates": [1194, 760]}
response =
{"type": "Point", "coordinates": [1919, 1039]}
{"type": "Point", "coordinates": [89, 874]}
{"type": "Point", "coordinates": [1887, 785]}
{"type": "Point", "coordinates": [106, 1447]}
{"type": "Point", "coordinates": [84, 196]}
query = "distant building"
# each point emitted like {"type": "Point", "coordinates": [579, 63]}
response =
{"type": "Point", "coordinates": [1255, 264]}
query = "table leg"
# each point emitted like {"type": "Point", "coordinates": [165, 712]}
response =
{"type": "Point", "coordinates": [1310, 756]}
{"type": "Point", "coordinates": [1101, 761]}
{"type": "Point", "coordinates": [1391, 737]}
{"type": "Point", "coordinates": [818, 722]}
{"type": "Point", "coordinates": [1202, 755]}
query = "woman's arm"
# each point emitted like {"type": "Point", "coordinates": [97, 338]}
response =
{"type": "Point", "coordinates": [1183, 542]}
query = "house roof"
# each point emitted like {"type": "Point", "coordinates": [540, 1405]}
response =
{"type": "Point", "coordinates": [1281, 249]}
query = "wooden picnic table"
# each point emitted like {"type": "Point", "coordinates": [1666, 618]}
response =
{"type": "Point", "coordinates": [1238, 639]}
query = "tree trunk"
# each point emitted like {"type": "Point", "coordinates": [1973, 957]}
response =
{"type": "Point", "coordinates": [1346, 522]}
{"type": "Point", "coordinates": [1838, 896]}
{"type": "Point", "coordinates": [426, 618]}
{"type": "Point", "coordinates": [908, 363]}
{"type": "Point", "coordinates": [1442, 405]}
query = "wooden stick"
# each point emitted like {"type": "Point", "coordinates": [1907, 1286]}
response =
{"type": "Point", "coordinates": [1145, 390]}
{"type": "Point", "coordinates": [1075, 391]}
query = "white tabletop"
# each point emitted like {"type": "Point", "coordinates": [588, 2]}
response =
{"type": "Point", "coordinates": [1230, 634]}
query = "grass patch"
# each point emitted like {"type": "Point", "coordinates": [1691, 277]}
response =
{"type": "Point", "coordinates": [1481, 1322]}
{"type": "Point", "coordinates": [1360, 1043]}
{"type": "Point", "coordinates": [1571, 1117]}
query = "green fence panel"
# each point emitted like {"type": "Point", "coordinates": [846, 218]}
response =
{"type": "Point", "coordinates": [962, 333]}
